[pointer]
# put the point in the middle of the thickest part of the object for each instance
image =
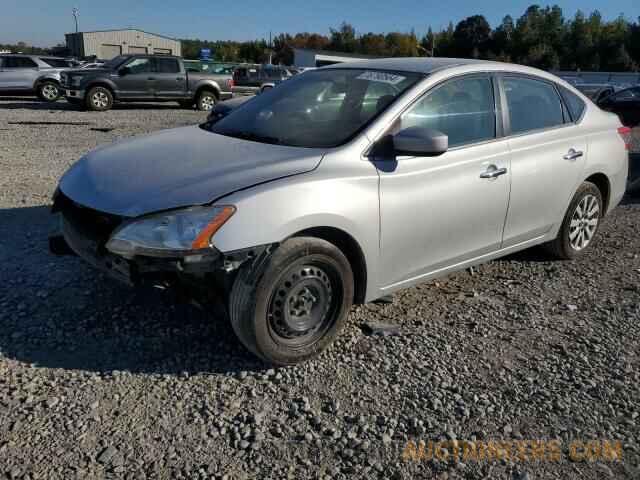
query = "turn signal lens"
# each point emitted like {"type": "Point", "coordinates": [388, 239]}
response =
{"type": "Point", "coordinates": [625, 134]}
{"type": "Point", "coordinates": [204, 238]}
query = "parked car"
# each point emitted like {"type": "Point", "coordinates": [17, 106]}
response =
{"type": "Point", "coordinates": [32, 75]}
{"type": "Point", "coordinates": [312, 197]}
{"type": "Point", "coordinates": [222, 109]}
{"type": "Point", "coordinates": [135, 78]}
{"type": "Point", "coordinates": [626, 104]}
{"type": "Point", "coordinates": [595, 91]}
{"type": "Point", "coordinates": [249, 80]}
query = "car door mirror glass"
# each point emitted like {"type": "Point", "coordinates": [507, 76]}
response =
{"type": "Point", "coordinates": [420, 142]}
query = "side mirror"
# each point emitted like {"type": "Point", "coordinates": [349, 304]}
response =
{"type": "Point", "coordinates": [124, 71]}
{"type": "Point", "coordinates": [420, 142]}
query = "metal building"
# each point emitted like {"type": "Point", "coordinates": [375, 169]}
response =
{"type": "Point", "coordinates": [106, 44]}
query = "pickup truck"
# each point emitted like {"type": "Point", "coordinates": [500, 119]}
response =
{"type": "Point", "coordinates": [143, 78]}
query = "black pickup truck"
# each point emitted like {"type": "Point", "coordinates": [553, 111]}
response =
{"type": "Point", "coordinates": [143, 78]}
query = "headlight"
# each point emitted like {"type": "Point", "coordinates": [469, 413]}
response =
{"type": "Point", "coordinates": [75, 81]}
{"type": "Point", "coordinates": [170, 234]}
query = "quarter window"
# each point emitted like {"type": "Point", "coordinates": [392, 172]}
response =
{"type": "Point", "coordinates": [463, 109]}
{"type": "Point", "coordinates": [574, 103]}
{"type": "Point", "coordinates": [533, 104]}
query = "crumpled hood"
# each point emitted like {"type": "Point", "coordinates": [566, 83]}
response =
{"type": "Point", "coordinates": [176, 168]}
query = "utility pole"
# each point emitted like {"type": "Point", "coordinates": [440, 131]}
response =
{"type": "Point", "coordinates": [75, 13]}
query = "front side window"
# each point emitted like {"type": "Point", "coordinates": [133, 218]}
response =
{"type": "Point", "coordinates": [56, 62]}
{"type": "Point", "coordinates": [323, 108]}
{"type": "Point", "coordinates": [463, 109]}
{"type": "Point", "coordinates": [628, 94]}
{"type": "Point", "coordinates": [533, 104]}
{"type": "Point", "coordinates": [19, 62]}
{"type": "Point", "coordinates": [139, 65]}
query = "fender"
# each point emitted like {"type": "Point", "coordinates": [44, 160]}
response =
{"type": "Point", "coordinates": [206, 84]}
{"type": "Point", "coordinates": [50, 77]}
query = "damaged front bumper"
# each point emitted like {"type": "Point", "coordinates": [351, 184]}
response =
{"type": "Point", "coordinates": [85, 233]}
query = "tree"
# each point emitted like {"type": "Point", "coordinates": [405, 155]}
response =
{"type": "Point", "coordinates": [343, 39]}
{"type": "Point", "coordinates": [471, 36]}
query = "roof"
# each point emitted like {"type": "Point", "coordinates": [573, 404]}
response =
{"type": "Point", "coordinates": [413, 64]}
{"type": "Point", "coordinates": [126, 30]}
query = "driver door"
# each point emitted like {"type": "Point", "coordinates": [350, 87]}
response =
{"type": "Point", "coordinates": [137, 80]}
{"type": "Point", "coordinates": [439, 212]}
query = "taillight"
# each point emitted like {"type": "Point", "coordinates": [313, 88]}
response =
{"type": "Point", "coordinates": [625, 134]}
{"type": "Point", "coordinates": [231, 83]}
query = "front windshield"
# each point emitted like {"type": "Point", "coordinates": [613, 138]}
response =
{"type": "Point", "coordinates": [320, 109]}
{"type": "Point", "coordinates": [115, 62]}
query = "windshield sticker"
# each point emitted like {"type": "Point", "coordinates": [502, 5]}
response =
{"type": "Point", "coordinates": [381, 77]}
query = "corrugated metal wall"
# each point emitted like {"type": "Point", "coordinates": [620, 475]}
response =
{"type": "Point", "coordinates": [107, 44]}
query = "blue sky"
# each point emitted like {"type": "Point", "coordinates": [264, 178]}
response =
{"type": "Point", "coordinates": [44, 22]}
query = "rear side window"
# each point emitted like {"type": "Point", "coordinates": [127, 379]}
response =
{"type": "Point", "coordinates": [533, 104]}
{"type": "Point", "coordinates": [18, 62]}
{"type": "Point", "coordinates": [574, 103]}
{"type": "Point", "coordinates": [463, 109]}
{"type": "Point", "coordinates": [167, 65]}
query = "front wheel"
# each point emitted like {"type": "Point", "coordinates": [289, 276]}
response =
{"type": "Point", "coordinates": [206, 100]}
{"type": "Point", "coordinates": [48, 91]}
{"type": "Point", "coordinates": [580, 224]}
{"type": "Point", "coordinates": [99, 99]}
{"type": "Point", "coordinates": [292, 308]}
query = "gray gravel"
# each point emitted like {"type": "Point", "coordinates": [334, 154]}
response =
{"type": "Point", "coordinates": [97, 381]}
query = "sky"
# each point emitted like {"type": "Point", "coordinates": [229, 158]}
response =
{"type": "Point", "coordinates": [44, 22]}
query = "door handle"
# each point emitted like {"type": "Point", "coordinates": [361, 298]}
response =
{"type": "Point", "coordinates": [573, 155]}
{"type": "Point", "coordinates": [493, 172]}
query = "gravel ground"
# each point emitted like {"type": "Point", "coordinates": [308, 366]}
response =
{"type": "Point", "coordinates": [97, 381]}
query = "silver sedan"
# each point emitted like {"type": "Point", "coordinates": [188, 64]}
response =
{"type": "Point", "coordinates": [344, 185]}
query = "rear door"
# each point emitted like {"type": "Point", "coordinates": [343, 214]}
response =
{"type": "Point", "coordinates": [170, 80]}
{"type": "Point", "coordinates": [18, 73]}
{"type": "Point", "coordinates": [136, 80]}
{"type": "Point", "coordinates": [548, 152]}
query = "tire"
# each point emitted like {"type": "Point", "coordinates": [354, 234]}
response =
{"type": "Point", "coordinates": [48, 91]}
{"type": "Point", "coordinates": [99, 99]}
{"type": "Point", "coordinates": [206, 100]}
{"type": "Point", "coordinates": [186, 104]}
{"type": "Point", "coordinates": [310, 276]}
{"type": "Point", "coordinates": [580, 224]}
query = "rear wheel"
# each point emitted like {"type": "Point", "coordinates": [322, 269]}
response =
{"type": "Point", "coordinates": [291, 309]}
{"type": "Point", "coordinates": [580, 224]}
{"type": "Point", "coordinates": [48, 91]}
{"type": "Point", "coordinates": [206, 100]}
{"type": "Point", "coordinates": [99, 99]}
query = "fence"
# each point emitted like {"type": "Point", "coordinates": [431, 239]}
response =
{"type": "Point", "coordinates": [621, 79]}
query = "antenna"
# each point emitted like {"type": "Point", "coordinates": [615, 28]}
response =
{"type": "Point", "coordinates": [75, 12]}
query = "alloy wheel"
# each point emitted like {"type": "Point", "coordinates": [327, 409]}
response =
{"type": "Point", "coordinates": [207, 102]}
{"type": "Point", "coordinates": [100, 100]}
{"type": "Point", "coordinates": [584, 222]}
{"type": "Point", "coordinates": [50, 92]}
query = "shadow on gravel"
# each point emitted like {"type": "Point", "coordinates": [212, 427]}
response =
{"type": "Point", "coordinates": [34, 104]}
{"type": "Point", "coordinates": [57, 312]}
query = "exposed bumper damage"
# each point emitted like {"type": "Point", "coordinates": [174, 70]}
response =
{"type": "Point", "coordinates": [85, 232]}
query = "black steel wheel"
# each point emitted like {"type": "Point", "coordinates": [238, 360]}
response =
{"type": "Point", "coordinates": [290, 308]}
